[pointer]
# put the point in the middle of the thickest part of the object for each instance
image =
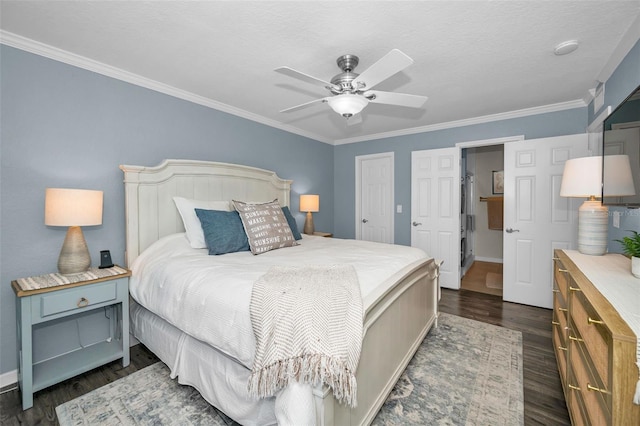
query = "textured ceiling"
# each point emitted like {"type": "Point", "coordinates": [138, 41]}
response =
{"type": "Point", "coordinates": [472, 59]}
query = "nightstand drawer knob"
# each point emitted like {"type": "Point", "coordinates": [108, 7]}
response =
{"type": "Point", "coordinates": [83, 302]}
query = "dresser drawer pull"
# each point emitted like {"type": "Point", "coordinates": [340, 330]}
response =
{"type": "Point", "coordinates": [562, 270]}
{"type": "Point", "coordinates": [562, 348]}
{"type": "Point", "coordinates": [574, 289]}
{"type": "Point", "coordinates": [555, 323]}
{"type": "Point", "coordinates": [595, 389]}
{"type": "Point", "coordinates": [555, 290]}
{"type": "Point", "coordinates": [563, 309]}
{"type": "Point", "coordinates": [556, 258]}
{"type": "Point", "coordinates": [592, 321]}
{"type": "Point", "coordinates": [83, 302]}
{"type": "Point", "coordinates": [576, 339]}
{"type": "Point", "coordinates": [573, 387]}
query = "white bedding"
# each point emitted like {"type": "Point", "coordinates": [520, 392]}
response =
{"type": "Point", "coordinates": [208, 296]}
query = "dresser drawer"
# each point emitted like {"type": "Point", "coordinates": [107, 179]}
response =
{"type": "Point", "coordinates": [595, 401]}
{"type": "Point", "coordinates": [560, 312]}
{"type": "Point", "coordinates": [588, 324]}
{"type": "Point", "coordinates": [577, 409]}
{"type": "Point", "coordinates": [561, 278]}
{"type": "Point", "coordinates": [560, 348]}
{"type": "Point", "coordinates": [73, 299]}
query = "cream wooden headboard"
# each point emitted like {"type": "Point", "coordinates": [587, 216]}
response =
{"type": "Point", "coordinates": [149, 208]}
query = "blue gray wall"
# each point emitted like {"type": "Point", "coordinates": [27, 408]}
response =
{"type": "Point", "coordinates": [67, 127]}
{"type": "Point", "coordinates": [622, 82]}
{"type": "Point", "coordinates": [538, 126]}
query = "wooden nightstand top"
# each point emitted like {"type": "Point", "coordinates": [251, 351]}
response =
{"type": "Point", "coordinates": [55, 281]}
{"type": "Point", "coordinates": [323, 234]}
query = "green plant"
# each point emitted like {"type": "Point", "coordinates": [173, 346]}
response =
{"type": "Point", "coordinates": [631, 245]}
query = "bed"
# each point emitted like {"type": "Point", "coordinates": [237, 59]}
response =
{"type": "Point", "coordinates": [399, 308]}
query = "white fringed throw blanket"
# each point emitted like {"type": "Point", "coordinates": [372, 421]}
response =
{"type": "Point", "coordinates": [308, 327]}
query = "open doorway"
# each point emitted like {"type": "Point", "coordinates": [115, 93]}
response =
{"type": "Point", "coordinates": [481, 245]}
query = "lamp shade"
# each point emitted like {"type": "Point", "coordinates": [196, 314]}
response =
{"type": "Point", "coordinates": [72, 207]}
{"type": "Point", "coordinates": [348, 104]}
{"type": "Point", "coordinates": [309, 203]}
{"type": "Point", "coordinates": [582, 177]}
{"type": "Point", "coordinates": [618, 180]}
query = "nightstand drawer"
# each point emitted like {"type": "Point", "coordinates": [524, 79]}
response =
{"type": "Point", "coordinates": [74, 299]}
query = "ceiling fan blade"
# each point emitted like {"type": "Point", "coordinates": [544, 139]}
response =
{"type": "Point", "coordinates": [304, 105]}
{"type": "Point", "coordinates": [356, 119]}
{"type": "Point", "coordinates": [392, 98]}
{"type": "Point", "coordinates": [304, 77]}
{"type": "Point", "coordinates": [393, 62]}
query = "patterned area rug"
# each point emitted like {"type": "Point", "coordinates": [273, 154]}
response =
{"type": "Point", "coordinates": [465, 373]}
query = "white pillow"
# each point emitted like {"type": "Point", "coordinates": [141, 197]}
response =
{"type": "Point", "coordinates": [187, 209]}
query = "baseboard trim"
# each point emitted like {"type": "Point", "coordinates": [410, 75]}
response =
{"type": "Point", "coordinates": [9, 378]}
{"type": "Point", "coordinates": [488, 259]}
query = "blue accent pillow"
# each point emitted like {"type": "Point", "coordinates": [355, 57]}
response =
{"type": "Point", "coordinates": [223, 231]}
{"type": "Point", "coordinates": [292, 223]}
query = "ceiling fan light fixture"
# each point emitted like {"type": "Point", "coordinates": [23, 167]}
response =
{"type": "Point", "coordinates": [348, 104]}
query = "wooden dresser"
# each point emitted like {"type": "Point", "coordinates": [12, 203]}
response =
{"type": "Point", "coordinates": [595, 348]}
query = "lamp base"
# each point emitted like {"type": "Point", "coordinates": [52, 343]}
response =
{"type": "Point", "coordinates": [593, 222]}
{"type": "Point", "coordinates": [74, 255]}
{"type": "Point", "coordinates": [308, 224]}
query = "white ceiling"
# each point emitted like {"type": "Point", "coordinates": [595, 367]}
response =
{"type": "Point", "coordinates": [472, 58]}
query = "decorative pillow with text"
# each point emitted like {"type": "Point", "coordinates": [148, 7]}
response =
{"type": "Point", "coordinates": [266, 227]}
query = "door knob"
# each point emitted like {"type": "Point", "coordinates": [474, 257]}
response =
{"type": "Point", "coordinates": [365, 220]}
{"type": "Point", "coordinates": [416, 223]}
{"type": "Point", "coordinates": [509, 230]}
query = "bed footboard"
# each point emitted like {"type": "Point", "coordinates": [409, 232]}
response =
{"type": "Point", "coordinates": [395, 326]}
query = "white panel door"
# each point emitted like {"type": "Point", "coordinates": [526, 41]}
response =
{"type": "Point", "coordinates": [435, 209]}
{"type": "Point", "coordinates": [536, 219]}
{"type": "Point", "coordinates": [374, 209]}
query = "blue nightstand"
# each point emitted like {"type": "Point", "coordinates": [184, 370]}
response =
{"type": "Point", "coordinates": [53, 299]}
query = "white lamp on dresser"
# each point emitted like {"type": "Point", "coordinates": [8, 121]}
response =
{"type": "Point", "coordinates": [582, 178]}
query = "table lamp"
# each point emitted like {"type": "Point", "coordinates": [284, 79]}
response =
{"type": "Point", "coordinates": [582, 178]}
{"type": "Point", "coordinates": [309, 203]}
{"type": "Point", "coordinates": [73, 208]}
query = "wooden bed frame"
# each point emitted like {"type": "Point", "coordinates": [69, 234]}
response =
{"type": "Point", "coordinates": [396, 321]}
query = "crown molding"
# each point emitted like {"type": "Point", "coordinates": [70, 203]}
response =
{"type": "Point", "coordinates": [41, 49]}
{"type": "Point", "coordinates": [578, 103]}
{"type": "Point", "coordinates": [629, 39]}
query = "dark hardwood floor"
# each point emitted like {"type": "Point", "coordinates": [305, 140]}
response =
{"type": "Point", "coordinates": [543, 399]}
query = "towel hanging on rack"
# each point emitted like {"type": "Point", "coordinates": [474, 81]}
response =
{"type": "Point", "coordinates": [495, 216]}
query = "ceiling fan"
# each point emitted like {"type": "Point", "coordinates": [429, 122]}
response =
{"type": "Point", "coordinates": [352, 92]}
